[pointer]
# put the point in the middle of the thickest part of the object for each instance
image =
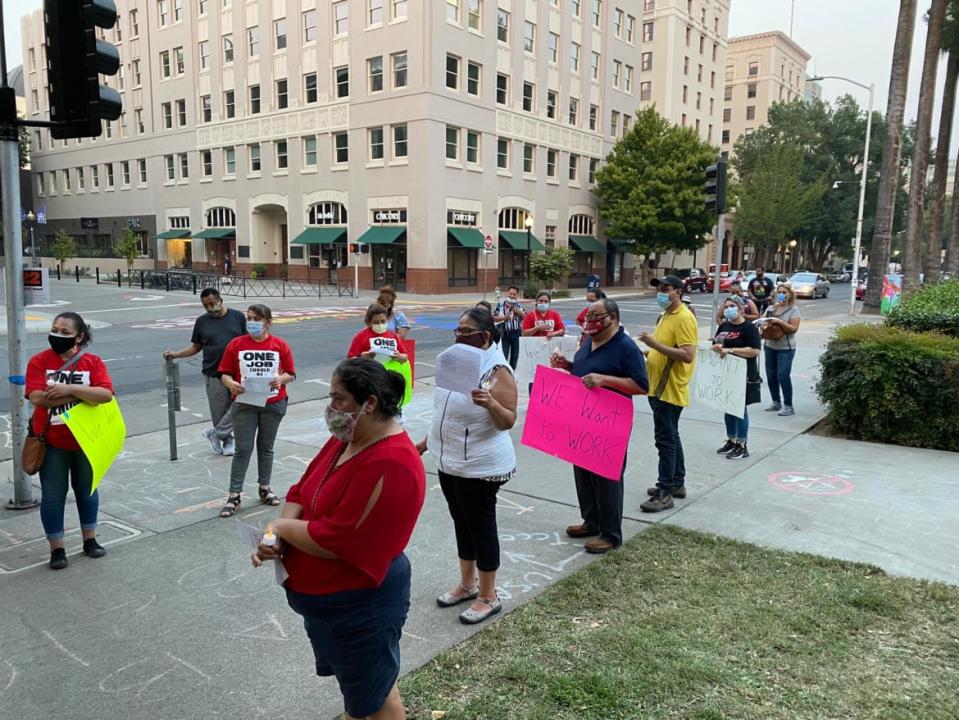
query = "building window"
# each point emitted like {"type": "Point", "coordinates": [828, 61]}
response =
{"type": "Point", "coordinates": [551, 99]}
{"type": "Point", "coordinates": [220, 217]}
{"type": "Point", "coordinates": [728, 94]}
{"type": "Point", "coordinates": [593, 167]}
{"type": "Point", "coordinates": [138, 121]}
{"type": "Point", "coordinates": [502, 26]}
{"type": "Point", "coordinates": [374, 14]}
{"type": "Point", "coordinates": [753, 68]}
{"type": "Point", "coordinates": [342, 81]}
{"type": "Point", "coordinates": [280, 154]}
{"type": "Point", "coordinates": [134, 24]}
{"type": "Point", "coordinates": [727, 115]}
{"type": "Point", "coordinates": [135, 68]}
{"type": "Point", "coordinates": [699, 100]}
{"type": "Point", "coordinates": [452, 72]}
{"type": "Point", "coordinates": [254, 99]}
{"type": "Point", "coordinates": [473, 73]}
{"type": "Point", "coordinates": [452, 143]}
{"type": "Point", "coordinates": [229, 103]}
{"type": "Point", "coordinates": [751, 90]}
{"type": "Point", "coordinates": [203, 48]}
{"type": "Point", "coordinates": [165, 64]}
{"type": "Point", "coordinates": [341, 148]}
{"type": "Point", "coordinates": [400, 141]}
{"type": "Point", "coordinates": [177, 10]}
{"type": "Point", "coordinates": [629, 79]}
{"type": "Point", "coordinates": [529, 93]}
{"type": "Point", "coordinates": [573, 111]}
{"type": "Point", "coordinates": [617, 73]}
{"type": "Point", "coordinates": [502, 153]}
{"type": "Point", "coordinates": [576, 6]}
{"type": "Point", "coordinates": [163, 11]}
{"type": "Point", "coordinates": [630, 28]}
{"type": "Point", "coordinates": [647, 32]}
{"type": "Point", "coordinates": [502, 89]}
{"type": "Point", "coordinates": [685, 94]}
{"type": "Point", "coordinates": [279, 34]}
{"type": "Point", "coordinates": [551, 162]}
{"type": "Point", "coordinates": [141, 168]}
{"type": "Point", "coordinates": [375, 138]}
{"type": "Point", "coordinates": [552, 47]}
{"type": "Point", "coordinates": [597, 59]}
{"type": "Point", "coordinates": [309, 151]}
{"type": "Point", "coordinates": [574, 55]}
{"type": "Point", "coordinates": [327, 213]}
{"type": "Point", "coordinates": [167, 111]}
{"type": "Point", "coordinates": [453, 11]}
{"type": "Point", "coordinates": [94, 177]}
{"type": "Point", "coordinates": [310, 88]}
{"type": "Point", "coordinates": [206, 160]}
{"type": "Point", "coordinates": [170, 167]}
{"type": "Point", "coordinates": [309, 26]}
{"type": "Point", "coordinates": [475, 14]}
{"type": "Point", "coordinates": [593, 115]}
{"type": "Point", "coordinates": [597, 13]}
{"type": "Point", "coordinates": [513, 218]}
{"type": "Point", "coordinates": [472, 147]}
{"type": "Point", "coordinates": [227, 49]}
{"type": "Point", "coordinates": [399, 69]}
{"type": "Point", "coordinates": [181, 113]}
{"type": "Point", "coordinates": [229, 161]}
{"type": "Point", "coordinates": [574, 168]}
{"type": "Point", "coordinates": [185, 164]}
{"type": "Point", "coordinates": [253, 41]}
{"type": "Point", "coordinates": [374, 68]}
{"type": "Point", "coordinates": [282, 95]}
{"type": "Point", "coordinates": [725, 137]}
{"type": "Point", "coordinates": [341, 18]}
{"type": "Point", "coordinates": [529, 159]}
{"type": "Point", "coordinates": [614, 123]}
{"type": "Point", "coordinates": [66, 181]}
{"type": "Point", "coordinates": [399, 9]}
{"type": "Point", "coordinates": [206, 108]}
{"type": "Point", "coordinates": [529, 37]}
{"type": "Point", "coordinates": [646, 62]}
{"type": "Point", "coordinates": [581, 225]}
{"type": "Point", "coordinates": [750, 112]}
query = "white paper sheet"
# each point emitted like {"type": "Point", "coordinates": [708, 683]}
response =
{"type": "Point", "coordinates": [251, 537]}
{"type": "Point", "coordinates": [459, 369]}
{"type": "Point", "coordinates": [258, 390]}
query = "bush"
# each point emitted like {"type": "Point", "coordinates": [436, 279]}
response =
{"type": "Point", "coordinates": [935, 308]}
{"type": "Point", "coordinates": [885, 384]}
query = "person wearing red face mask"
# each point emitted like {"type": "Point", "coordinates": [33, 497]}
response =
{"type": "Point", "coordinates": [613, 361]}
{"type": "Point", "coordinates": [474, 457]}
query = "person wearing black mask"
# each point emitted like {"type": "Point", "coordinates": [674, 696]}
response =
{"type": "Point", "coordinates": [613, 361]}
{"type": "Point", "coordinates": [212, 332]}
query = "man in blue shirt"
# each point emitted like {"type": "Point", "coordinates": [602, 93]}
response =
{"type": "Point", "coordinates": [612, 360]}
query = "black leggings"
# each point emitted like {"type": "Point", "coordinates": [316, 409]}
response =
{"type": "Point", "coordinates": [472, 504]}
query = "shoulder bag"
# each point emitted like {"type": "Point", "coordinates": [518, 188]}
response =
{"type": "Point", "coordinates": [35, 446]}
{"type": "Point", "coordinates": [772, 331]}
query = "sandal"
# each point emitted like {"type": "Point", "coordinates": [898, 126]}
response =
{"type": "Point", "coordinates": [268, 497]}
{"type": "Point", "coordinates": [232, 505]}
{"type": "Point", "coordinates": [449, 599]}
{"type": "Point", "coordinates": [472, 617]}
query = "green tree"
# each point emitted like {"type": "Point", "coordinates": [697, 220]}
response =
{"type": "Point", "coordinates": [550, 266]}
{"type": "Point", "coordinates": [64, 248]}
{"type": "Point", "coordinates": [651, 188]}
{"type": "Point", "coordinates": [129, 248]}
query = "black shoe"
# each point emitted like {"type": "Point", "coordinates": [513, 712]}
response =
{"type": "Point", "coordinates": [727, 446]}
{"type": "Point", "coordinates": [91, 548]}
{"type": "Point", "coordinates": [58, 559]}
{"type": "Point", "coordinates": [678, 493]}
{"type": "Point", "coordinates": [662, 500]}
{"type": "Point", "coordinates": [738, 453]}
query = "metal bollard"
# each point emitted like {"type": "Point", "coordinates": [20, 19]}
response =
{"type": "Point", "coordinates": [76, 271]}
{"type": "Point", "coordinates": [194, 283]}
{"type": "Point", "coordinates": [98, 276]}
{"type": "Point", "coordinates": [58, 272]}
{"type": "Point", "coordinates": [142, 281]}
{"type": "Point", "coordinates": [171, 376]}
{"type": "Point", "coordinates": [119, 280]}
{"type": "Point", "coordinates": [168, 282]}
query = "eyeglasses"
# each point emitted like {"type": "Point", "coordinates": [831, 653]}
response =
{"type": "Point", "coordinates": [465, 331]}
{"type": "Point", "coordinates": [590, 316]}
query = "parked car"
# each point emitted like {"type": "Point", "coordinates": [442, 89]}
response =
{"type": "Point", "coordinates": [809, 285]}
{"type": "Point", "coordinates": [840, 275]}
{"type": "Point", "coordinates": [693, 279]}
{"type": "Point", "coordinates": [725, 282]}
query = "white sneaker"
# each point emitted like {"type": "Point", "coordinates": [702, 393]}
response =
{"type": "Point", "coordinates": [215, 444]}
{"type": "Point", "coordinates": [229, 447]}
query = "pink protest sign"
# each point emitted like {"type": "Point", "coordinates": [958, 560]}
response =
{"type": "Point", "coordinates": [589, 428]}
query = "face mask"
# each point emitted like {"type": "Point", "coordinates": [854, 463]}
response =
{"type": "Point", "coordinates": [542, 307]}
{"type": "Point", "coordinates": [731, 313]}
{"type": "Point", "coordinates": [342, 425]}
{"type": "Point", "coordinates": [254, 327]}
{"type": "Point", "coordinates": [781, 297]}
{"type": "Point", "coordinates": [662, 299]}
{"type": "Point", "coordinates": [378, 328]}
{"type": "Point", "coordinates": [61, 343]}
{"type": "Point", "coordinates": [477, 340]}
{"type": "Point", "coordinates": [214, 310]}
{"type": "Point", "coordinates": [596, 326]}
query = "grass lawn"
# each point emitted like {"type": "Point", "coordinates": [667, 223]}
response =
{"type": "Point", "coordinates": [678, 624]}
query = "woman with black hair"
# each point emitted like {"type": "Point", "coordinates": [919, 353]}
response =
{"type": "Point", "coordinates": [57, 380]}
{"type": "Point", "coordinates": [474, 457]}
{"type": "Point", "coordinates": [341, 535]}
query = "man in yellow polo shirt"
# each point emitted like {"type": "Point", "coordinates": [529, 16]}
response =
{"type": "Point", "coordinates": [670, 363]}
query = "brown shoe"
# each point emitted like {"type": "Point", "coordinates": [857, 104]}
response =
{"type": "Point", "coordinates": [679, 492]}
{"type": "Point", "coordinates": [580, 531]}
{"type": "Point", "coordinates": [598, 546]}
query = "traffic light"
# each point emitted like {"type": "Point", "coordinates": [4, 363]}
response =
{"type": "Point", "coordinates": [716, 187]}
{"type": "Point", "coordinates": [359, 248]}
{"type": "Point", "coordinates": [75, 60]}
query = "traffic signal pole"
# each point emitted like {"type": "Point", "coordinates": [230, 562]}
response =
{"type": "Point", "coordinates": [715, 189]}
{"type": "Point", "coordinates": [13, 280]}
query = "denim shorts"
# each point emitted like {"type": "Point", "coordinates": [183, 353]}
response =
{"type": "Point", "coordinates": [355, 636]}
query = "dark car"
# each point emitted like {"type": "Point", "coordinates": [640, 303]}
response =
{"type": "Point", "coordinates": [693, 279]}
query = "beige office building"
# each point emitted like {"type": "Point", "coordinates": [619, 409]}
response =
{"type": "Point", "coordinates": [282, 130]}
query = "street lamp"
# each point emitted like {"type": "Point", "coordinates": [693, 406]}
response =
{"type": "Point", "coordinates": [31, 217]}
{"type": "Point", "coordinates": [528, 223]}
{"type": "Point", "coordinates": [862, 185]}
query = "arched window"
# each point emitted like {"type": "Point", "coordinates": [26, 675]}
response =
{"type": "Point", "coordinates": [513, 218]}
{"type": "Point", "coordinates": [220, 217]}
{"type": "Point", "coordinates": [327, 213]}
{"type": "Point", "coordinates": [581, 225]}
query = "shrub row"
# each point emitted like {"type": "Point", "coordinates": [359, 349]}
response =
{"type": "Point", "coordinates": [935, 308]}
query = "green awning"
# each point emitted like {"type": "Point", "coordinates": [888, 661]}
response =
{"type": "Point", "coordinates": [216, 233]}
{"type": "Point", "coordinates": [173, 235]}
{"type": "Point", "coordinates": [516, 239]}
{"type": "Point", "coordinates": [586, 243]}
{"type": "Point", "coordinates": [321, 236]}
{"type": "Point", "coordinates": [382, 234]}
{"type": "Point", "coordinates": [621, 245]}
{"type": "Point", "coordinates": [467, 237]}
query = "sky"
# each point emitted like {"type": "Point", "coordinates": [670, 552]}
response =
{"type": "Point", "coordinates": [853, 38]}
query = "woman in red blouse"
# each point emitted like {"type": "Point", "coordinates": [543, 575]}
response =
{"type": "Point", "coordinates": [53, 386]}
{"type": "Point", "coordinates": [341, 535]}
{"type": "Point", "coordinates": [543, 322]}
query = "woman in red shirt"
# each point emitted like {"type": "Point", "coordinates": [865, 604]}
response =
{"type": "Point", "coordinates": [52, 387]}
{"type": "Point", "coordinates": [543, 322]}
{"type": "Point", "coordinates": [375, 339]}
{"type": "Point", "coordinates": [341, 535]}
{"type": "Point", "coordinates": [262, 365]}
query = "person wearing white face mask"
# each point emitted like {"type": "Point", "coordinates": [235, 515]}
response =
{"type": "Point", "coordinates": [543, 321]}
{"type": "Point", "coordinates": [256, 355]}
{"type": "Point", "coordinates": [376, 338]}
{"type": "Point", "coordinates": [738, 337]}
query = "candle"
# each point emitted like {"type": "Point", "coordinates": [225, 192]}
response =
{"type": "Point", "coordinates": [269, 538]}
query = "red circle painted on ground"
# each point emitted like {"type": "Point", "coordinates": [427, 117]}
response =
{"type": "Point", "coordinates": [811, 483]}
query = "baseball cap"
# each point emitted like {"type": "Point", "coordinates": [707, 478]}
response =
{"type": "Point", "coordinates": [670, 280]}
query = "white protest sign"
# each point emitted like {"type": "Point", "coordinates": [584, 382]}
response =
{"type": "Point", "coordinates": [533, 351]}
{"type": "Point", "coordinates": [565, 345]}
{"type": "Point", "coordinates": [721, 382]}
{"type": "Point", "coordinates": [384, 345]}
{"type": "Point", "coordinates": [459, 369]}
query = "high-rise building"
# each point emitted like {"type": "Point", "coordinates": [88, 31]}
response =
{"type": "Point", "coordinates": [281, 132]}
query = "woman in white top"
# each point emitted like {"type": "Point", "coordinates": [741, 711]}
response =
{"type": "Point", "coordinates": [474, 456]}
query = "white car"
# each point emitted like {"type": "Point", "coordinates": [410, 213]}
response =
{"type": "Point", "coordinates": [809, 285]}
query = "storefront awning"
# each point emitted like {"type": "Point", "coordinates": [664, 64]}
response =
{"type": "Point", "coordinates": [321, 236]}
{"type": "Point", "coordinates": [174, 235]}
{"type": "Point", "coordinates": [586, 243]}
{"type": "Point", "coordinates": [382, 234]}
{"type": "Point", "coordinates": [466, 237]}
{"type": "Point", "coordinates": [516, 239]}
{"type": "Point", "coordinates": [216, 233]}
{"type": "Point", "coordinates": [620, 245]}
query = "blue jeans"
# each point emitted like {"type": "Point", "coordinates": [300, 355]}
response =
{"type": "Point", "coordinates": [779, 364]}
{"type": "Point", "coordinates": [736, 429]}
{"type": "Point", "coordinates": [672, 462]}
{"type": "Point", "coordinates": [60, 469]}
{"type": "Point", "coordinates": [510, 346]}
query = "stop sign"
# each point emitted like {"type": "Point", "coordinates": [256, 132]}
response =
{"type": "Point", "coordinates": [488, 242]}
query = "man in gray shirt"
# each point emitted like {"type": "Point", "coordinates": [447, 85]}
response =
{"type": "Point", "coordinates": [211, 334]}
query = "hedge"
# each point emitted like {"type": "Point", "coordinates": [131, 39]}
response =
{"type": "Point", "coordinates": [935, 308]}
{"type": "Point", "coordinates": [885, 384]}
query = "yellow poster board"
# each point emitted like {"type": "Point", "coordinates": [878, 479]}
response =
{"type": "Point", "coordinates": [403, 368]}
{"type": "Point", "coordinates": [100, 431]}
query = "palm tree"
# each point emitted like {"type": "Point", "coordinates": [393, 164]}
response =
{"type": "Point", "coordinates": [950, 44]}
{"type": "Point", "coordinates": [912, 243]}
{"type": "Point", "coordinates": [891, 150]}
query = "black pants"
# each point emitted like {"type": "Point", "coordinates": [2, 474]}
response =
{"type": "Point", "coordinates": [510, 345]}
{"type": "Point", "coordinates": [472, 506]}
{"type": "Point", "coordinates": [672, 461]}
{"type": "Point", "coordinates": [601, 504]}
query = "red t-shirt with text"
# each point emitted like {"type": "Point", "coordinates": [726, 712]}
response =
{"type": "Point", "coordinates": [552, 319]}
{"type": "Point", "coordinates": [245, 356]}
{"type": "Point", "coordinates": [362, 339]}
